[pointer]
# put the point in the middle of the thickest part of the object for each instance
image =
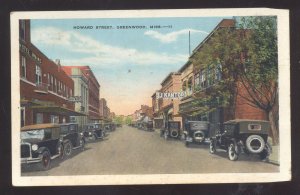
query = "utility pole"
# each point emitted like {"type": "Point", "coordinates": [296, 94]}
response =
{"type": "Point", "coordinates": [189, 43]}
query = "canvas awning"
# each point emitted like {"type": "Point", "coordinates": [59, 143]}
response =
{"type": "Point", "coordinates": [57, 110]}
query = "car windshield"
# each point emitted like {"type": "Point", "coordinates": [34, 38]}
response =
{"type": "Point", "coordinates": [64, 129]}
{"type": "Point", "coordinates": [34, 134]}
{"type": "Point", "coordinates": [174, 125]}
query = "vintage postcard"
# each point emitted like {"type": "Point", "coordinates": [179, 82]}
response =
{"type": "Point", "coordinates": [150, 97]}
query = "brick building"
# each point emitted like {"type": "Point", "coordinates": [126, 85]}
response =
{"type": "Point", "coordinates": [169, 108]}
{"type": "Point", "coordinates": [104, 110]}
{"type": "Point", "coordinates": [45, 89]}
{"type": "Point", "coordinates": [198, 81]}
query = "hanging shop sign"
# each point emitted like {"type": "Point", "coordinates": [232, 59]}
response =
{"type": "Point", "coordinates": [171, 95]}
{"type": "Point", "coordinates": [75, 99]}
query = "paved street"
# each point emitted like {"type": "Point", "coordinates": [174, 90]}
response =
{"type": "Point", "coordinates": [131, 151]}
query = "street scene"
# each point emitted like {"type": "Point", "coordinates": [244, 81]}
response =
{"type": "Point", "coordinates": [133, 151]}
{"type": "Point", "coordinates": [149, 96]}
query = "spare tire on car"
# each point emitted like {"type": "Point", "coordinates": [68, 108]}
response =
{"type": "Point", "coordinates": [255, 144]}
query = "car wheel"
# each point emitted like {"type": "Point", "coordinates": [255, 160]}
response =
{"type": "Point", "coordinates": [46, 160]}
{"type": "Point", "coordinates": [264, 155]}
{"type": "Point", "coordinates": [232, 152]}
{"type": "Point", "coordinates": [212, 147]}
{"type": "Point", "coordinates": [68, 149]}
{"type": "Point", "coordinates": [255, 144]}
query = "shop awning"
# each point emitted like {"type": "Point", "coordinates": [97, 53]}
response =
{"type": "Point", "coordinates": [57, 110]}
{"type": "Point", "coordinates": [27, 103]}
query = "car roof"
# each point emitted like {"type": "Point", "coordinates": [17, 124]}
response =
{"type": "Point", "coordinates": [39, 126]}
{"type": "Point", "coordinates": [244, 120]}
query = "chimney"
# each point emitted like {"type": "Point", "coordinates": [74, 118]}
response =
{"type": "Point", "coordinates": [57, 61]}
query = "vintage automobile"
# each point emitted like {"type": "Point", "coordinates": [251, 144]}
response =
{"type": "Point", "coordinates": [242, 136]}
{"type": "Point", "coordinates": [172, 129]}
{"type": "Point", "coordinates": [148, 126]}
{"type": "Point", "coordinates": [93, 131]}
{"type": "Point", "coordinates": [71, 138]}
{"type": "Point", "coordinates": [195, 132]}
{"type": "Point", "coordinates": [40, 144]}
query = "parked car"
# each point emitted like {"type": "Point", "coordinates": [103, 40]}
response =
{"type": "Point", "coordinates": [172, 129]}
{"type": "Point", "coordinates": [242, 136]}
{"type": "Point", "coordinates": [93, 131]}
{"type": "Point", "coordinates": [71, 137]}
{"type": "Point", "coordinates": [40, 144]}
{"type": "Point", "coordinates": [195, 132]}
{"type": "Point", "coordinates": [148, 126]}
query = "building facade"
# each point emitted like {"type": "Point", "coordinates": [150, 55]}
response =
{"type": "Point", "coordinates": [198, 80]}
{"type": "Point", "coordinates": [169, 108]}
{"type": "Point", "coordinates": [81, 93]}
{"type": "Point", "coordinates": [93, 94]}
{"type": "Point", "coordinates": [45, 89]}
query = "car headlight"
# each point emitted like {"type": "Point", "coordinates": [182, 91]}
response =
{"type": "Point", "coordinates": [90, 133]}
{"type": "Point", "coordinates": [34, 147]}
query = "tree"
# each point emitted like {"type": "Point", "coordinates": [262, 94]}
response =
{"type": "Point", "coordinates": [128, 120]}
{"type": "Point", "coordinates": [245, 54]}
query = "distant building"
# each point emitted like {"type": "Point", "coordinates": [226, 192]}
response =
{"type": "Point", "coordinates": [81, 91]}
{"type": "Point", "coordinates": [93, 93]}
{"type": "Point", "coordinates": [169, 108]}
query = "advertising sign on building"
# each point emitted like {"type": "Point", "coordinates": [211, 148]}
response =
{"type": "Point", "coordinates": [170, 95]}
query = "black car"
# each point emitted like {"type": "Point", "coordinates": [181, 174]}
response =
{"type": "Point", "coordinates": [195, 132]}
{"type": "Point", "coordinates": [93, 131]}
{"type": "Point", "coordinates": [71, 138]}
{"type": "Point", "coordinates": [40, 144]}
{"type": "Point", "coordinates": [242, 136]}
{"type": "Point", "coordinates": [172, 129]}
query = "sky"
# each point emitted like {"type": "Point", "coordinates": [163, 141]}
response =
{"type": "Point", "coordinates": [129, 64]}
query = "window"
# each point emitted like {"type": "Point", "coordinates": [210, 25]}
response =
{"type": "Point", "coordinates": [202, 79]}
{"type": "Point", "coordinates": [38, 75]}
{"type": "Point", "coordinates": [48, 76]}
{"type": "Point", "coordinates": [218, 72]}
{"type": "Point", "coordinates": [39, 118]}
{"type": "Point", "coordinates": [22, 30]}
{"type": "Point", "coordinates": [210, 77]}
{"type": "Point", "coordinates": [190, 86]}
{"type": "Point", "coordinates": [197, 80]}
{"type": "Point", "coordinates": [23, 67]}
{"type": "Point", "coordinates": [55, 85]}
{"type": "Point", "coordinates": [54, 119]}
{"type": "Point", "coordinates": [51, 82]}
{"type": "Point", "coordinates": [184, 86]}
{"type": "Point", "coordinates": [22, 116]}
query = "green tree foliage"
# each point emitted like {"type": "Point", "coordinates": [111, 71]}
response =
{"type": "Point", "coordinates": [248, 57]}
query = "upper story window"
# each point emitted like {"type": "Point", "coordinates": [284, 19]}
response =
{"type": "Point", "coordinates": [38, 74]}
{"type": "Point", "coordinates": [203, 82]}
{"type": "Point", "coordinates": [190, 86]}
{"type": "Point", "coordinates": [184, 86]}
{"type": "Point", "coordinates": [51, 82]}
{"type": "Point", "coordinates": [22, 30]}
{"type": "Point", "coordinates": [218, 72]}
{"type": "Point", "coordinates": [23, 67]}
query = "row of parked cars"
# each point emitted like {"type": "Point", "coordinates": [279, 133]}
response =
{"type": "Point", "coordinates": [146, 126]}
{"type": "Point", "coordinates": [41, 143]}
{"type": "Point", "coordinates": [235, 136]}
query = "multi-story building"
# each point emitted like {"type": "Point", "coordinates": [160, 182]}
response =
{"type": "Point", "coordinates": [198, 80]}
{"type": "Point", "coordinates": [93, 94]}
{"type": "Point", "coordinates": [169, 107]}
{"type": "Point", "coordinates": [156, 104]}
{"type": "Point", "coordinates": [81, 93]}
{"type": "Point", "coordinates": [45, 89]}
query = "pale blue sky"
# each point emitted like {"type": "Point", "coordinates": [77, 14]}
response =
{"type": "Point", "coordinates": [128, 63]}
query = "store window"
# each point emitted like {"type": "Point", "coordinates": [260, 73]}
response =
{"type": "Point", "coordinates": [23, 67]}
